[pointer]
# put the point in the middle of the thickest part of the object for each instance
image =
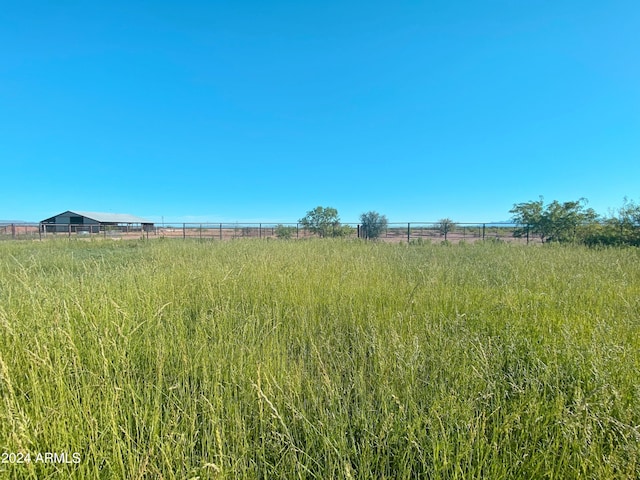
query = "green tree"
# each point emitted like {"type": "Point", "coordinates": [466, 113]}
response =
{"type": "Point", "coordinates": [323, 221]}
{"type": "Point", "coordinates": [628, 223]}
{"type": "Point", "coordinates": [621, 228]}
{"type": "Point", "coordinates": [559, 222]}
{"type": "Point", "coordinates": [445, 225]}
{"type": "Point", "coordinates": [529, 218]}
{"type": "Point", "coordinates": [566, 219]}
{"type": "Point", "coordinates": [372, 224]}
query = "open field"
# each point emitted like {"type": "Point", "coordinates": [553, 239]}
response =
{"type": "Point", "coordinates": [318, 359]}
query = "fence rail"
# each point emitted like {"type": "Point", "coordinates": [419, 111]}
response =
{"type": "Point", "coordinates": [395, 232]}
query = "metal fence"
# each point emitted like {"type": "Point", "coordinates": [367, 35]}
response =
{"type": "Point", "coordinates": [411, 232]}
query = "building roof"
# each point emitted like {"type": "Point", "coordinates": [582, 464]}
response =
{"type": "Point", "coordinates": [108, 217]}
{"type": "Point", "coordinates": [113, 217]}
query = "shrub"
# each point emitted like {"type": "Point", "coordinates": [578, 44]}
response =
{"type": "Point", "coordinates": [445, 226]}
{"type": "Point", "coordinates": [285, 232]}
{"type": "Point", "coordinates": [372, 225]}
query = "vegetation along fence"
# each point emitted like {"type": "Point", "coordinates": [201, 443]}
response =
{"type": "Point", "coordinates": [394, 232]}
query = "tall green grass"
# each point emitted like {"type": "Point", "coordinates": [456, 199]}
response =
{"type": "Point", "coordinates": [319, 359]}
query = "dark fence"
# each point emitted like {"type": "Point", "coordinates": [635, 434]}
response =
{"type": "Point", "coordinates": [415, 232]}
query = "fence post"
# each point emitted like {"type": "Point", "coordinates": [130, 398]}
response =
{"type": "Point", "coordinates": [408, 233]}
{"type": "Point", "coordinates": [527, 234]}
{"type": "Point", "coordinates": [40, 231]}
{"type": "Point", "coordinates": [184, 231]}
{"type": "Point", "coordinates": [297, 229]}
{"type": "Point", "coordinates": [200, 231]}
{"type": "Point", "coordinates": [483, 228]}
{"type": "Point", "coordinates": [260, 230]}
{"type": "Point", "coordinates": [220, 231]}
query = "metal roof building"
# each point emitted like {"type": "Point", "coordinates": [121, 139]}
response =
{"type": "Point", "coordinates": [93, 222]}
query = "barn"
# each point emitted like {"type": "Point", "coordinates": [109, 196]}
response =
{"type": "Point", "coordinates": [94, 222]}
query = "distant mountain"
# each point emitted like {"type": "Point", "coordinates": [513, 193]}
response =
{"type": "Point", "coordinates": [3, 222]}
{"type": "Point", "coordinates": [499, 223]}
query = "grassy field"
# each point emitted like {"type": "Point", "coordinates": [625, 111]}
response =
{"type": "Point", "coordinates": [318, 359]}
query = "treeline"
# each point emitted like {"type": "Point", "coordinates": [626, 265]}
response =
{"type": "Point", "coordinates": [562, 222]}
{"type": "Point", "coordinates": [573, 222]}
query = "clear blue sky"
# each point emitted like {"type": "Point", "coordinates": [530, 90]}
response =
{"type": "Point", "coordinates": [260, 111]}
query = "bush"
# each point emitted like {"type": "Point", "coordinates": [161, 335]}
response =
{"type": "Point", "coordinates": [372, 225]}
{"type": "Point", "coordinates": [285, 232]}
{"type": "Point", "coordinates": [445, 225]}
{"type": "Point", "coordinates": [342, 231]}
